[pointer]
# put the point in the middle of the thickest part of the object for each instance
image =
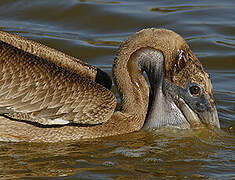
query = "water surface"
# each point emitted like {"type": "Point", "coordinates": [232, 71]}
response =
{"type": "Point", "coordinates": [92, 30]}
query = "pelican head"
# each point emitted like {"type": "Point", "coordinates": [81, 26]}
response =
{"type": "Point", "coordinates": [172, 105]}
{"type": "Point", "coordinates": [181, 93]}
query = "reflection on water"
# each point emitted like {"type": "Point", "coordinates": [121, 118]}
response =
{"type": "Point", "coordinates": [169, 9]}
{"type": "Point", "coordinates": [92, 31]}
{"type": "Point", "coordinates": [163, 154]}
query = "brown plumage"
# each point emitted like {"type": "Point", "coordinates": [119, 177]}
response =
{"type": "Point", "coordinates": [39, 85]}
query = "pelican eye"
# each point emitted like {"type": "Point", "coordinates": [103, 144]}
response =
{"type": "Point", "coordinates": [195, 90]}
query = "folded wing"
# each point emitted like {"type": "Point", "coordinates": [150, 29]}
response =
{"type": "Point", "coordinates": [35, 89]}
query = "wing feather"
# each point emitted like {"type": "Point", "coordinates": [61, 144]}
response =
{"type": "Point", "coordinates": [37, 90]}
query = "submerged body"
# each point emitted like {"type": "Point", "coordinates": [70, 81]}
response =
{"type": "Point", "coordinates": [46, 95]}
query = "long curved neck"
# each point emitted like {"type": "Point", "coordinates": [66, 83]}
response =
{"type": "Point", "coordinates": [128, 77]}
{"type": "Point", "coordinates": [133, 87]}
{"type": "Point", "coordinates": [131, 84]}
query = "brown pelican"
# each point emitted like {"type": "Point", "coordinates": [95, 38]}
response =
{"type": "Point", "coordinates": [46, 95]}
